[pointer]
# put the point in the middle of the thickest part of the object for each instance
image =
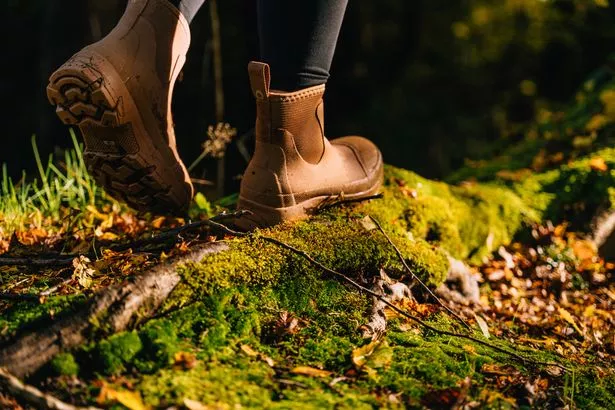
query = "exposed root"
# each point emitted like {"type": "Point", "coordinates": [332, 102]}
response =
{"type": "Point", "coordinates": [111, 311]}
{"type": "Point", "coordinates": [34, 396]}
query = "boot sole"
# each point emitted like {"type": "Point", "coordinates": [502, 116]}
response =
{"type": "Point", "coordinates": [130, 164]}
{"type": "Point", "coordinates": [265, 216]}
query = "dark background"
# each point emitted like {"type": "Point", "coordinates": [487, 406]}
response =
{"type": "Point", "coordinates": [431, 81]}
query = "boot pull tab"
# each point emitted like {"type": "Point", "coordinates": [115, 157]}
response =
{"type": "Point", "coordinates": [260, 78]}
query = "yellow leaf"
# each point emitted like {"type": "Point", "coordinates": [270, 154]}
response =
{"type": "Point", "coordinates": [483, 325]}
{"type": "Point", "coordinates": [564, 314]}
{"type": "Point", "coordinates": [129, 399]}
{"type": "Point", "coordinates": [481, 16]}
{"type": "Point", "coordinates": [598, 164]}
{"type": "Point", "coordinates": [584, 250]}
{"type": "Point", "coordinates": [249, 351]}
{"type": "Point", "coordinates": [374, 355]}
{"type": "Point", "coordinates": [108, 236]}
{"type": "Point", "coordinates": [186, 360]}
{"type": "Point", "coordinates": [589, 311]}
{"type": "Point", "coordinates": [469, 349]}
{"type": "Point", "coordinates": [310, 371]}
{"type": "Point", "coordinates": [194, 405]}
{"type": "Point", "coordinates": [597, 122]}
{"type": "Point", "coordinates": [157, 223]}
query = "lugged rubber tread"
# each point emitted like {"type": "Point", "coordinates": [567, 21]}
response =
{"type": "Point", "coordinates": [112, 152]}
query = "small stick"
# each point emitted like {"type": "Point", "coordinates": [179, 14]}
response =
{"type": "Point", "coordinates": [57, 261]}
{"type": "Point", "coordinates": [403, 312]}
{"type": "Point", "coordinates": [34, 396]}
{"type": "Point", "coordinates": [403, 261]}
{"type": "Point", "coordinates": [338, 202]}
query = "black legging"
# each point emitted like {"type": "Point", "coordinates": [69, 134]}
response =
{"type": "Point", "coordinates": [296, 40]}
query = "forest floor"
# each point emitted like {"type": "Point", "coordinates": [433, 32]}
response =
{"type": "Point", "coordinates": [541, 333]}
{"type": "Point", "coordinates": [349, 309]}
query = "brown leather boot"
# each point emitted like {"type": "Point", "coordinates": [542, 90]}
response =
{"type": "Point", "coordinates": [118, 92]}
{"type": "Point", "coordinates": [294, 167]}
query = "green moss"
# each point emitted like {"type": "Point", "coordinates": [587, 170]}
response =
{"type": "Point", "coordinates": [64, 364]}
{"type": "Point", "coordinates": [28, 315]}
{"type": "Point", "coordinates": [117, 352]}
{"type": "Point", "coordinates": [160, 343]}
{"type": "Point", "coordinates": [417, 365]}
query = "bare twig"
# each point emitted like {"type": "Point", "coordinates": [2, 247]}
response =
{"type": "Point", "coordinates": [339, 200]}
{"type": "Point", "coordinates": [403, 312]}
{"type": "Point", "coordinates": [56, 261]}
{"type": "Point", "coordinates": [34, 396]}
{"type": "Point", "coordinates": [199, 181]}
{"type": "Point", "coordinates": [403, 261]}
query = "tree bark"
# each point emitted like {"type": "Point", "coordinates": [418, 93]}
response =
{"type": "Point", "coordinates": [113, 310]}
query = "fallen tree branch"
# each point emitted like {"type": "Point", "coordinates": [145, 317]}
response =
{"type": "Point", "coordinates": [402, 312]}
{"type": "Point", "coordinates": [116, 308]}
{"type": "Point", "coordinates": [429, 291]}
{"type": "Point", "coordinates": [34, 396]}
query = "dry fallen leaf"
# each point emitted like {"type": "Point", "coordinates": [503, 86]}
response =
{"type": "Point", "coordinates": [129, 399]}
{"type": "Point", "coordinates": [82, 271]}
{"type": "Point", "coordinates": [253, 353]}
{"type": "Point", "coordinates": [598, 164]}
{"type": "Point", "coordinates": [185, 360]}
{"type": "Point", "coordinates": [310, 371]}
{"type": "Point", "coordinates": [567, 316]}
{"type": "Point", "coordinates": [367, 223]}
{"type": "Point", "coordinates": [483, 325]}
{"type": "Point", "coordinates": [194, 405]}
{"type": "Point", "coordinates": [249, 351]}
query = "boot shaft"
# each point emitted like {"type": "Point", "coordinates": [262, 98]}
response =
{"type": "Point", "coordinates": [299, 113]}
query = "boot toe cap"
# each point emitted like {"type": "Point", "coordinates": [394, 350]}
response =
{"type": "Point", "coordinates": [366, 151]}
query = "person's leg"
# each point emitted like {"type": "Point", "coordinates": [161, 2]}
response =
{"type": "Point", "coordinates": [295, 168]}
{"type": "Point", "coordinates": [298, 41]}
{"type": "Point", "coordinates": [188, 8]}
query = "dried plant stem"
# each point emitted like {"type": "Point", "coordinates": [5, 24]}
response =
{"type": "Point", "coordinates": [216, 46]}
{"type": "Point", "coordinates": [338, 201]}
{"type": "Point", "coordinates": [423, 285]}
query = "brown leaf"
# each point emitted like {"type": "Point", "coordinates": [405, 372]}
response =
{"type": "Point", "coordinates": [185, 360]}
{"type": "Point", "coordinates": [310, 371]}
{"type": "Point", "coordinates": [249, 351]}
